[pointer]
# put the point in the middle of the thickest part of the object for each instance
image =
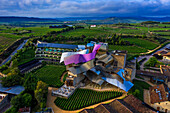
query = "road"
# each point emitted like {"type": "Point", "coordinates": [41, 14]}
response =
{"type": "Point", "coordinates": [13, 53]}
{"type": "Point", "coordinates": [148, 57]}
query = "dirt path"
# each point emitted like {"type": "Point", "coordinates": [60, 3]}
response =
{"type": "Point", "coordinates": [51, 99]}
{"type": "Point", "coordinates": [62, 76]}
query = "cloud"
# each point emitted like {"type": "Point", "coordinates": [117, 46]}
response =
{"type": "Point", "coordinates": [66, 8]}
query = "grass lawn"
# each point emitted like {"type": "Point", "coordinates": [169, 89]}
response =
{"type": "Point", "coordinates": [84, 97]}
{"type": "Point", "coordinates": [139, 85]}
{"type": "Point", "coordinates": [50, 74]}
{"type": "Point", "coordinates": [130, 49]}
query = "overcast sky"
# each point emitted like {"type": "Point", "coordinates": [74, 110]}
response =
{"type": "Point", "coordinates": [88, 8]}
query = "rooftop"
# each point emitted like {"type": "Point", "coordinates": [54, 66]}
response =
{"type": "Point", "coordinates": [152, 74]}
{"type": "Point", "coordinates": [56, 45]}
{"type": "Point", "coordinates": [129, 104]}
{"type": "Point", "coordinates": [12, 90]}
{"type": "Point", "coordinates": [165, 70]}
{"type": "Point", "coordinates": [136, 103]}
{"type": "Point", "coordinates": [158, 94]}
{"type": "Point", "coordinates": [160, 52]}
{"type": "Point", "coordinates": [167, 54]}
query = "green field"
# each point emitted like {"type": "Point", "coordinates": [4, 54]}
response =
{"type": "Point", "coordinates": [50, 74]}
{"type": "Point", "coordinates": [130, 49]}
{"type": "Point", "coordinates": [8, 35]}
{"type": "Point", "coordinates": [84, 97]}
{"type": "Point", "coordinates": [86, 32]}
{"type": "Point", "coordinates": [39, 31]}
{"type": "Point", "coordinates": [142, 43]}
{"type": "Point", "coordinates": [5, 42]}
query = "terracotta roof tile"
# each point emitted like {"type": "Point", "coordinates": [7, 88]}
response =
{"type": "Point", "coordinates": [137, 104]}
{"type": "Point", "coordinates": [157, 94]}
{"type": "Point", "coordinates": [119, 107]}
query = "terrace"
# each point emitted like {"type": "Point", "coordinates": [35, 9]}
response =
{"type": "Point", "coordinates": [64, 91]}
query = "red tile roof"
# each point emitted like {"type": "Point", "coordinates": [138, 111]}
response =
{"type": "Point", "coordinates": [157, 94]}
{"type": "Point", "coordinates": [137, 104]}
{"type": "Point", "coordinates": [160, 52]}
{"type": "Point", "coordinates": [167, 54]}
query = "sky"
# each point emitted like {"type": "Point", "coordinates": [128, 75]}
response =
{"type": "Point", "coordinates": [84, 8]}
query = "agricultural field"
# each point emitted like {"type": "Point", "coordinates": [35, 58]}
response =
{"type": "Point", "coordinates": [39, 31]}
{"type": "Point", "coordinates": [5, 42]}
{"type": "Point", "coordinates": [26, 56]}
{"type": "Point", "coordinates": [142, 43]}
{"type": "Point", "coordinates": [130, 49]}
{"type": "Point", "coordinates": [86, 32]}
{"type": "Point", "coordinates": [84, 97]}
{"type": "Point", "coordinates": [50, 74]}
{"type": "Point", "coordinates": [8, 35]}
{"type": "Point", "coordinates": [27, 31]}
{"type": "Point", "coordinates": [167, 37]}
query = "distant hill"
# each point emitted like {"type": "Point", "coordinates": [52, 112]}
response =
{"type": "Point", "coordinates": [87, 20]}
{"type": "Point", "coordinates": [11, 19]}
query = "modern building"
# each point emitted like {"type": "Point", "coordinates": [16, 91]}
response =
{"type": "Point", "coordinates": [53, 51]}
{"type": "Point", "coordinates": [129, 104]}
{"type": "Point", "coordinates": [98, 66]}
{"type": "Point", "coordinates": [158, 97]}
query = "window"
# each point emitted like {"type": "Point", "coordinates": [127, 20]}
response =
{"type": "Point", "coordinates": [115, 63]}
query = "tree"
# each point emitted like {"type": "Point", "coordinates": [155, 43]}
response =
{"type": "Point", "coordinates": [17, 101]}
{"type": "Point", "coordinates": [11, 80]}
{"type": "Point", "coordinates": [30, 83]}
{"type": "Point", "coordinates": [151, 62]}
{"type": "Point", "coordinates": [136, 93]}
{"type": "Point", "coordinates": [20, 101]}
{"type": "Point", "coordinates": [27, 99]}
{"type": "Point", "coordinates": [137, 65]}
{"type": "Point", "coordinates": [41, 93]}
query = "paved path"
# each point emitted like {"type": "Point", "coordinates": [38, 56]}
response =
{"type": "Point", "coordinates": [148, 57]}
{"type": "Point", "coordinates": [51, 99]}
{"type": "Point", "coordinates": [13, 53]}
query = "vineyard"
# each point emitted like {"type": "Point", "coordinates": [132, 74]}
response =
{"type": "Point", "coordinates": [50, 74]}
{"type": "Point", "coordinates": [130, 49]}
{"type": "Point", "coordinates": [84, 97]}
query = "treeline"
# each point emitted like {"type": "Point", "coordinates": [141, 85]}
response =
{"type": "Point", "coordinates": [150, 22]}
{"type": "Point", "coordinates": [165, 22]}
{"type": "Point", "coordinates": [10, 49]}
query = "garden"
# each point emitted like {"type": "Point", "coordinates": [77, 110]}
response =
{"type": "Point", "coordinates": [137, 89]}
{"type": "Point", "coordinates": [85, 97]}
